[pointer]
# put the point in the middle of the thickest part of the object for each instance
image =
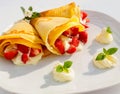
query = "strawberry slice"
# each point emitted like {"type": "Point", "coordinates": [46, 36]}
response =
{"type": "Point", "coordinates": [85, 25]}
{"type": "Point", "coordinates": [22, 48]}
{"type": "Point", "coordinates": [83, 15]}
{"type": "Point", "coordinates": [71, 32]}
{"type": "Point", "coordinates": [87, 20]}
{"type": "Point", "coordinates": [83, 36]}
{"type": "Point", "coordinates": [75, 41]}
{"type": "Point", "coordinates": [24, 58]}
{"type": "Point", "coordinates": [60, 46]}
{"type": "Point", "coordinates": [67, 32]}
{"type": "Point", "coordinates": [10, 54]}
{"type": "Point", "coordinates": [34, 52]}
{"type": "Point", "coordinates": [71, 50]}
{"type": "Point", "coordinates": [74, 31]}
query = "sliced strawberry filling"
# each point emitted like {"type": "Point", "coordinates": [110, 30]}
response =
{"type": "Point", "coordinates": [84, 19]}
{"type": "Point", "coordinates": [23, 48]}
{"type": "Point", "coordinates": [24, 58]}
{"type": "Point", "coordinates": [71, 49]}
{"type": "Point", "coordinates": [11, 52]}
{"type": "Point", "coordinates": [70, 38]}
{"type": "Point", "coordinates": [34, 52]}
{"type": "Point", "coordinates": [59, 44]}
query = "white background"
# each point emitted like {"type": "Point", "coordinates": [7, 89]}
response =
{"type": "Point", "coordinates": [9, 12]}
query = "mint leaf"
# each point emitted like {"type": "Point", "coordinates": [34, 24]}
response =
{"type": "Point", "coordinates": [30, 8]}
{"type": "Point", "coordinates": [100, 56]}
{"type": "Point", "coordinates": [67, 64]}
{"type": "Point", "coordinates": [23, 10]}
{"type": "Point", "coordinates": [35, 15]}
{"type": "Point", "coordinates": [59, 68]}
{"type": "Point", "coordinates": [111, 51]}
{"type": "Point", "coordinates": [27, 18]}
{"type": "Point", "coordinates": [109, 30]}
{"type": "Point", "coordinates": [104, 50]}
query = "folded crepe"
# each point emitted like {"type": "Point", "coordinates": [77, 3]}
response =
{"type": "Point", "coordinates": [21, 44]}
{"type": "Point", "coordinates": [67, 11]}
{"type": "Point", "coordinates": [64, 11]}
{"type": "Point", "coordinates": [61, 35]}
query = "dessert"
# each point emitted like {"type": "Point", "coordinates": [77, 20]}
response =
{"type": "Point", "coordinates": [63, 11]}
{"type": "Point", "coordinates": [63, 72]}
{"type": "Point", "coordinates": [61, 35]}
{"type": "Point", "coordinates": [105, 37]}
{"type": "Point", "coordinates": [105, 59]}
{"type": "Point", "coordinates": [21, 44]}
{"type": "Point", "coordinates": [67, 11]}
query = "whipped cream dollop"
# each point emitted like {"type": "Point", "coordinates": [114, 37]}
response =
{"type": "Point", "coordinates": [109, 62]}
{"type": "Point", "coordinates": [105, 37]}
{"type": "Point", "coordinates": [62, 76]}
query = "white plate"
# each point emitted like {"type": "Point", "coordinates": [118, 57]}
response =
{"type": "Point", "coordinates": [38, 79]}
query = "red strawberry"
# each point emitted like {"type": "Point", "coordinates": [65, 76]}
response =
{"type": "Point", "coordinates": [85, 25]}
{"type": "Point", "coordinates": [22, 48]}
{"type": "Point", "coordinates": [59, 44]}
{"type": "Point", "coordinates": [87, 20]}
{"type": "Point", "coordinates": [74, 31]}
{"type": "Point", "coordinates": [71, 50]}
{"type": "Point", "coordinates": [75, 41]}
{"type": "Point", "coordinates": [83, 15]}
{"type": "Point", "coordinates": [83, 36]}
{"type": "Point", "coordinates": [24, 58]}
{"type": "Point", "coordinates": [67, 32]}
{"type": "Point", "coordinates": [10, 54]}
{"type": "Point", "coordinates": [34, 52]}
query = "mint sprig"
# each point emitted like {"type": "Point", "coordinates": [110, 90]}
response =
{"type": "Point", "coordinates": [108, 30]}
{"type": "Point", "coordinates": [100, 56]}
{"type": "Point", "coordinates": [110, 51]}
{"type": "Point", "coordinates": [33, 15]}
{"type": "Point", "coordinates": [59, 68]}
{"type": "Point", "coordinates": [65, 67]}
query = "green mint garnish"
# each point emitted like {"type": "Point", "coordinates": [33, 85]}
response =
{"type": "Point", "coordinates": [59, 68]}
{"type": "Point", "coordinates": [105, 52]}
{"type": "Point", "coordinates": [30, 13]}
{"type": "Point", "coordinates": [100, 56]}
{"type": "Point", "coordinates": [35, 15]}
{"type": "Point", "coordinates": [111, 51]}
{"type": "Point", "coordinates": [67, 64]}
{"type": "Point", "coordinates": [30, 8]}
{"type": "Point", "coordinates": [65, 67]}
{"type": "Point", "coordinates": [23, 10]}
{"type": "Point", "coordinates": [108, 30]}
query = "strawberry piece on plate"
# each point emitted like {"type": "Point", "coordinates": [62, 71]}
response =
{"type": "Point", "coordinates": [10, 54]}
{"type": "Point", "coordinates": [60, 46]}
{"type": "Point", "coordinates": [24, 58]}
{"type": "Point", "coordinates": [83, 36]}
{"type": "Point", "coordinates": [22, 48]}
{"type": "Point", "coordinates": [34, 52]}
